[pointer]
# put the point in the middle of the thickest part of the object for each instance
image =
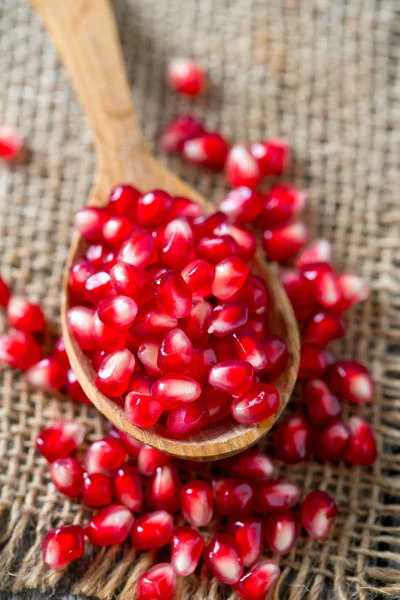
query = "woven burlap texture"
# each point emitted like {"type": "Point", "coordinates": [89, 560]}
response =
{"type": "Point", "coordinates": [326, 76]}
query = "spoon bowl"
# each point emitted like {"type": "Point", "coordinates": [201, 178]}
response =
{"type": "Point", "coordinates": [85, 34]}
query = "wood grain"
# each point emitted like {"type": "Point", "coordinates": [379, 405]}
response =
{"type": "Point", "coordinates": [85, 35]}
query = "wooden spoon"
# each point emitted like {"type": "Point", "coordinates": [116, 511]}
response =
{"type": "Point", "coordinates": [85, 34]}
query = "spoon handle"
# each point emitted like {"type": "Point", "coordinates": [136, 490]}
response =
{"type": "Point", "coordinates": [85, 34]}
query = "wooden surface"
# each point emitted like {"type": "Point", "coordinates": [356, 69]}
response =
{"type": "Point", "coordinates": [85, 35]}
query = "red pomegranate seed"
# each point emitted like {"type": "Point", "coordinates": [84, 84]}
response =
{"type": "Point", "coordinates": [249, 347]}
{"type": "Point", "coordinates": [203, 360]}
{"type": "Point", "coordinates": [323, 327]}
{"type": "Point", "coordinates": [322, 405]}
{"type": "Point", "coordinates": [352, 289]}
{"type": "Point", "coordinates": [172, 294]}
{"type": "Point", "coordinates": [222, 557]}
{"type": "Point", "coordinates": [46, 375]}
{"type": "Point", "coordinates": [19, 350]}
{"type": "Point", "coordinates": [131, 446]}
{"type": "Point", "coordinates": [242, 169]}
{"type": "Point", "coordinates": [317, 514]}
{"type": "Point", "coordinates": [154, 208]}
{"type": "Point", "coordinates": [214, 248]}
{"type": "Point", "coordinates": [89, 222]}
{"type": "Point", "coordinates": [248, 534]}
{"type": "Point", "coordinates": [246, 240]}
{"type": "Point", "coordinates": [127, 280]}
{"type": "Point", "coordinates": [177, 244]}
{"type": "Point", "coordinates": [218, 404]}
{"type": "Point", "coordinates": [197, 322]}
{"type": "Point", "coordinates": [186, 548]}
{"type": "Point", "coordinates": [96, 490]}
{"type": "Point", "coordinates": [300, 293]}
{"type": "Point", "coordinates": [319, 251]}
{"type": "Point", "coordinates": [123, 201]}
{"type": "Point", "coordinates": [258, 326]}
{"type": "Point", "coordinates": [67, 476]}
{"type": "Point", "coordinates": [110, 525]}
{"type": "Point", "coordinates": [5, 293]}
{"type": "Point", "coordinates": [258, 581]}
{"type": "Point", "coordinates": [180, 129]}
{"type": "Point", "coordinates": [80, 324]}
{"type": "Point", "coordinates": [283, 202]}
{"type": "Point", "coordinates": [197, 503]}
{"type": "Point", "coordinates": [272, 156]}
{"type": "Point", "coordinates": [205, 226]}
{"type": "Point", "coordinates": [119, 311]}
{"type": "Point", "coordinates": [293, 439]}
{"type": "Point", "coordinates": [163, 489]}
{"type": "Point", "coordinates": [127, 487]}
{"type": "Point", "coordinates": [116, 230]}
{"type": "Point", "coordinates": [185, 420]}
{"type": "Point", "coordinates": [176, 352]}
{"type": "Point", "coordinates": [174, 391]}
{"type": "Point", "coordinates": [142, 410]}
{"type": "Point", "coordinates": [255, 294]}
{"type": "Point", "coordinates": [63, 545]}
{"type": "Point", "coordinates": [157, 583]}
{"type": "Point", "coordinates": [232, 376]}
{"type": "Point", "coordinates": [98, 287]}
{"type": "Point", "coordinates": [140, 384]}
{"type": "Point", "coordinates": [115, 372]}
{"type": "Point", "coordinates": [199, 276]}
{"type": "Point", "coordinates": [187, 208]}
{"type": "Point", "coordinates": [276, 495]}
{"type": "Point", "coordinates": [352, 381]}
{"type": "Point", "coordinates": [227, 318]}
{"type": "Point", "coordinates": [104, 455]}
{"type": "Point", "coordinates": [259, 403]}
{"type": "Point", "coordinates": [60, 439]}
{"type": "Point", "coordinates": [332, 441]}
{"type": "Point", "coordinates": [282, 242]}
{"type": "Point", "coordinates": [223, 349]}
{"type": "Point", "coordinates": [107, 338]}
{"type": "Point", "coordinates": [361, 447]}
{"type": "Point", "coordinates": [186, 76]}
{"type": "Point", "coordinates": [230, 275]}
{"type": "Point", "coordinates": [147, 354]}
{"type": "Point", "coordinates": [60, 354]}
{"type": "Point", "coordinates": [153, 530]}
{"type": "Point", "coordinates": [276, 353]}
{"type": "Point", "coordinates": [324, 283]}
{"type": "Point", "coordinates": [253, 465]}
{"type": "Point", "coordinates": [138, 250]}
{"type": "Point", "coordinates": [24, 315]}
{"type": "Point", "coordinates": [149, 459]}
{"type": "Point", "coordinates": [281, 531]}
{"type": "Point", "coordinates": [12, 147]}
{"type": "Point", "coordinates": [314, 361]}
{"type": "Point", "coordinates": [232, 496]}
{"type": "Point", "coordinates": [74, 388]}
{"type": "Point", "coordinates": [151, 323]}
{"type": "Point", "coordinates": [208, 150]}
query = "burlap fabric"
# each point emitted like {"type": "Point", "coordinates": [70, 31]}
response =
{"type": "Point", "coordinates": [325, 75]}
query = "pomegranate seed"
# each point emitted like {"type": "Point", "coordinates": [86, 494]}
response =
{"type": "Point", "coordinates": [351, 380]}
{"type": "Point", "coordinates": [127, 487]}
{"type": "Point", "coordinates": [127, 280]}
{"type": "Point", "coordinates": [300, 293]}
{"type": "Point", "coordinates": [172, 294]}
{"type": "Point", "coordinates": [152, 531]}
{"type": "Point", "coordinates": [173, 391]}
{"type": "Point", "coordinates": [218, 404]}
{"type": "Point", "coordinates": [110, 525]}
{"type": "Point", "coordinates": [60, 440]}
{"type": "Point", "coordinates": [324, 283]}
{"type": "Point", "coordinates": [293, 439]}
{"type": "Point", "coordinates": [46, 375]}
{"type": "Point", "coordinates": [142, 410]}
{"type": "Point", "coordinates": [233, 496]}
{"type": "Point", "coordinates": [252, 465]}
{"type": "Point", "coordinates": [19, 350]}
{"type": "Point", "coordinates": [74, 388]}
{"type": "Point", "coordinates": [223, 559]}
{"type": "Point", "coordinates": [12, 146]}
{"type": "Point", "coordinates": [243, 204]}
{"type": "Point", "coordinates": [322, 405]}
{"type": "Point", "coordinates": [186, 548]}
{"type": "Point", "coordinates": [319, 251]}
{"type": "Point", "coordinates": [259, 403]}
{"type": "Point", "coordinates": [186, 76]}
{"type": "Point", "coordinates": [205, 226]}
{"type": "Point", "coordinates": [186, 420]}
{"type": "Point", "coordinates": [317, 514]}
{"type": "Point", "coordinates": [314, 361]}
{"type": "Point", "coordinates": [180, 129]}
{"type": "Point", "coordinates": [323, 327]}
{"type": "Point", "coordinates": [67, 476]}
{"type": "Point", "coordinates": [228, 317]}
{"type": "Point", "coordinates": [258, 326]}
{"type": "Point", "coordinates": [123, 201]}
{"type": "Point", "coordinates": [281, 531]}
{"type": "Point", "coordinates": [115, 372]}
{"type": "Point", "coordinates": [272, 156]}
{"type": "Point", "coordinates": [249, 347]}
{"type": "Point", "coordinates": [149, 459]}
{"type": "Point", "coordinates": [157, 583]}
{"type": "Point", "coordinates": [241, 169]}
{"type": "Point", "coordinates": [255, 294]}
{"type": "Point", "coordinates": [199, 276]}
{"type": "Point", "coordinates": [197, 503]}
{"type": "Point", "coordinates": [80, 323]}
{"type": "Point", "coordinates": [177, 243]}
{"type": "Point", "coordinates": [119, 311]}
{"type": "Point", "coordinates": [246, 240]}
{"type": "Point", "coordinates": [214, 248]}
{"type": "Point", "coordinates": [60, 354]}
{"type": "Point", "coordinates": [154, 208]}
{"type": "Point", "coordinates": [361, 447]}
{"type": "Point", "coordinates": [116, 230]}
{"type": "Point", "coordinates": [96, 490]}
{"type": "Point", "coordinates": [138, 250]}
{"type": "Point", "coordinates": [131, 446]}
{"type": "Point", "coordinates": [223, 348]}
{"type": "Point", "coordinates": [89, 222]}
{"type": "Point", "coordinates": [282, 203]}
{"type": "Point", "coordinates": [98, 287]}
{"type": "Point", "coordinates": [140, 384]}
{"type": "Point", "coordinates": [232, 376]}
{"type": "Point", "coordinates": [208, 150]}
{"type": "Point", "coordinates": [230, 275]}
{"type": "Point", "coordinates": [248, 534]}
{"type": "Point", "coordinates": [24, 315]}
{"type": "Point", "coordinates": [5, 293]}
{"type": "Point", "coordinates": [63, 545]}
{"type": "Point", "coordinates": [163, 489]}
{"type": "Point", "coordinates": [282, 242]}
{"type": "Point", "coordinates": [352, 289]}
{"type": "Point", "coordinates": [104, 455]}
{"type": "Point", "coordinates": [276, 353]}
{"type": "Point", "coordinates": [151, 323]}
{"type": "Point", "coordinates": [147, 354]}
{"type": "Point", "coordinates": [176, 352]}
{"type": "Point", "coordinates": [276, 495]}
{"type": "Point", "coordinates": [107, 338]}
{"type": "Point", "coordinates": [187, 208]}
{"type": "Point", "coordinates": [258, 581]}
{"type": "Point", "coordinates": [332, 441]}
